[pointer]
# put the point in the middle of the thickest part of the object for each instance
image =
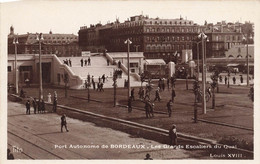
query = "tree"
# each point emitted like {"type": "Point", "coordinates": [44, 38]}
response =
{"type": "Point", "coordinates": [214, 77]}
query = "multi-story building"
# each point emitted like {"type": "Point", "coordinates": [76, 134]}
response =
{"type": "Point", "coordinates": [161, 38]}
{"type": "Point", "coordinates": [157, 38]}
{"type": "Point", "coordinates": [221, 37]}
{"type": "Point", "coordinates": [59, 44]}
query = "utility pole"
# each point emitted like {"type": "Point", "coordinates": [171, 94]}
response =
{"type": "Point", "coordinates": [128, 42]}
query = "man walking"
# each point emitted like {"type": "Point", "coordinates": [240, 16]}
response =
{"type": "Point", "coordinates": [157, 95]}
{"type": "Point", "coordinates": [173, 135]}
{"type": "Point", "coordinates": [234, 80]}
{"type": "Point", "coordinates": [34, 105]}
{"type": "Point", "coordinates": [81, 61]}
{"type": "Point", "coordinates": [133, 94]}
{"type": "Point", "coordinates": [54, 105]}
{"type": "Point", "coordinates": [173, 94]}
{"type": "Point", "coordinates": [28, 106]}
{"type": "Point", "coordinates": [93, 83]}
{"type": "Point", "coordinates": [63, 122]}
{"type": "Point", "coordinates": [225, 80]}
{"type": "Point", "coordinates": [89, 61]}
{"type": "Point", "coordinates": [169, 108]}
{"type": "Point", "coordinates": [147, 107]}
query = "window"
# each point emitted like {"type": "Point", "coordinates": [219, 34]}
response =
{"type": "Point", "coordinates": [173, 38]}
{"type": "Point", "coordinates": [182, 38]}
{"type": "Point", "coordinates": [9, 68]}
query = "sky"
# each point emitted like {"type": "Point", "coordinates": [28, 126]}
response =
{"type": "Point", "coordinates": [69, 16]}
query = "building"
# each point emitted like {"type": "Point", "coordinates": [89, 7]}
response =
{"type": "Point", "coordinates": [59, 44]}
{"type": "Point", "coordinates": [221, 37]}
{"type": "Point", "coordinates": [157, 38]}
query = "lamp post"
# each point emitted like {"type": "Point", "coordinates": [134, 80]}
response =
{"type": "Point", "coordinates": [128, 42]}
{"type": "Point", "coordinates": [202, 36]}
{"type": "Point", "coordinates": [40, 39]}
{"type": "Point", "coordinates": [246, 38]}
{"type": "Point", "coordinates": [115, 85]}
{"type": "Point", "coordinates": [15, 42]}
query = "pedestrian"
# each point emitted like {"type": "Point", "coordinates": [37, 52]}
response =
{"type": "Point", "coordinates": [241, 79]}
{"type": "Point", "coordinates": [220, 78]}
{"type": "Point", "coordinates": [169, 108]}
{"type": "Point", "coordinates": [43, 106]}
{"type": "Point", "coordinates": [129, 105]}
{"type": "Point", "coordinates": [93, 83]}
{"type": "Point", "coordinates": [163, 84]}
{"type": "Point", "coordinates": [173, 94]}
{"type": "Point", "coordinates": [55, 105]}
{"type": "Point", "coordinates": [63, 122]}
{"type": "Point", "coordinates": [98, 86]}
{"type": "Point", "coordinates": [147, 109]}
{"type": "Point", "coordinates": [39, 106]}
{"type": "Point", "coordinates": [133, 94]}
{"type": "Point", "coordinates": [225, 80]}
{"type": "Point", "coordinates": [10, 156]}
{"type": "Point", "coordinates": [119, 64]}
{"type": "Point", "coordinates": [173, 135]}
{"type": "Point", "coordinates": [234, 80]}
{"type": "Point", "coordinates": [49, 98]}
{"type": "Point", "coordinates": [85, 61]}
{"type": "Point", "coordinates": [28, 106]}
{"type": "Point", "coordinates": [34, 105]}
{"type": "Point", "coordinates": [107, 62]}
{"type": "Point", "coordinates": [22, 93]}
{"type": "Point", "coordinates": [148, 157]}
{"type": "Point", "coordinates": [103, 78]}
{"type": "Point", "coordinates": [101, 87]}
{"type": "Point", "coordinates": [151, 108]}
{"type": "Point", "coordinates": [89, 61]}
{"type": "Point", "coordinates": [157, 95]}
{"type": "Point", "coordinates": [99, 79]}
{"type": "Point", "coordinates": [168, 83]}
{"type": "Point", "coordinates": [70, 62]}
{"type": "Point", "coordinates": [81, 61]}
{"type": "Point", "coordinates": [55, 96]}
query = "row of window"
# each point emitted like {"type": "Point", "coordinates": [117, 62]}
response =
{"type": "Point", "coordinates": [153, 22]}
{"type": "Point", "coordinates": [170, 38]}
{"type": "Point", "coordinates": [55, 38]}
{"type": "Point", "coordinates": [227, 38]}
{"type": "Point", "coordinates": [172, 30]}
{"type": "Point", "coordinates": [168, 47]}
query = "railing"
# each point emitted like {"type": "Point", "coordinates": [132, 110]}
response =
{"type": "Point", "coordinates": [75, 81]}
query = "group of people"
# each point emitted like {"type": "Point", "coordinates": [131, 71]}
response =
{"type": "Point", "coordinates": [85, 62]}
{"type": "Point", "coordinates": [39, 106]}
{"type": "Point", "coordinates": [100, 84]}
{"type": "Point", "coordinates": [67, 62]}
{"type": "Point", "coordinates": [118, 73]}
{"type": "Point", "coordinates": [233, 79]}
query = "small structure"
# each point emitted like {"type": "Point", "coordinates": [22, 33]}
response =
{"type": "Point", "coordinates": [156, 67]}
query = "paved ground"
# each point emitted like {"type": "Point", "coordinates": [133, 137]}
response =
{"type": "Point", "coordinates": [38, 136]}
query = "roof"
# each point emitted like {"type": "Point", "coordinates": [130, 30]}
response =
{"type": "Point", "coordinates": [155, 62]}
{"type": "Point", "coordinates": [30, 38]}
{"type": "Point", "coordinates": [124, 54]}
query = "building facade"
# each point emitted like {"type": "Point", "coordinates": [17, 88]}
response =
{"type": "Point", "coordinates": [221, 37]}
{"type": "Point", "coordinates": [58, 44]}
{"type": "Point", "coordinates": [157, 38]}
{"type": "Point", "coordinates": [161, 38]}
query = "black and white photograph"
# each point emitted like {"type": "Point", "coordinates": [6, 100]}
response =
{"type": "Point", "coordinates": [129, 80]}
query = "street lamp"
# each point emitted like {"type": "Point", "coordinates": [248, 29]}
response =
{"type": "Point", "coordinates": [15, 42]}
{"type": "Point", "coordinates": [115, 85]}
{"type": "Point", "coordinates": [40, 39]}
{"type": "Point", "coordinates": [128, 42]}
{"type": "Point", "coordinates": [246, 38]}
{"type": "Point", "coordinates": [203, 37]}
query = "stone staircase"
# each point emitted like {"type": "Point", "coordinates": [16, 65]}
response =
{"type": "Point", "coordinates": [97, 68]}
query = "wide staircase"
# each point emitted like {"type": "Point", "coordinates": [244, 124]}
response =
{"type": "Point", "coordinates": [97, 68]}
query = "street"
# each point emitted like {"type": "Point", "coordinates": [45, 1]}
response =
{"type": "Point", "coordinates": [38, 136]}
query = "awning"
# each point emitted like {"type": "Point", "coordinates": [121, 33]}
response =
{"type": "Point", "coordinates": [232, 65]}
{"type": "Point", "coordinates": [155, 62]}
